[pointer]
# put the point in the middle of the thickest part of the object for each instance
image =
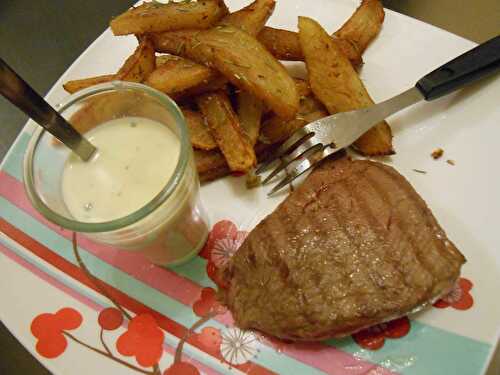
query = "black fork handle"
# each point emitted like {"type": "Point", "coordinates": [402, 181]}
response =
{"type": "Point", "coordinates": [466, 68]}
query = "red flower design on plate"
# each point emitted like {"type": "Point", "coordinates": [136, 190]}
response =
{"type": "Point", "coordinates": [373, 338]}
{"type": "Point", "coordinates": [110, 318]}
{"type": "Point", "coordinates": [459, 298]}
{"type": "Point", "coordinates": [181, 368]}
{"type": "Point", "coordinates": [209, 339]}
{"type": "Point", "coordinates": [49, 330]}
{"type": "Point", "coordinates": [223, 241]}
{"type": "Point", "coordinates": [207, 303]}
{"type": "Point", "coordinates": [143, 340]}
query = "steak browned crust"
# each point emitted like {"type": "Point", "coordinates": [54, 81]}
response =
{"type": "Point", "coordinates": [353, 246]}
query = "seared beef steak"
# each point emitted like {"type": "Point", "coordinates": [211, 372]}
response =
{"type": "Point", "coordinates": [353, 246]}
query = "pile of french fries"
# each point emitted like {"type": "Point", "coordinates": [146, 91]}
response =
{"type": "Point", "coordinates": [224, 71]}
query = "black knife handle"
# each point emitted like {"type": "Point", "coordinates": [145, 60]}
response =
{"type": "Point", "coordinates": [466, 68]}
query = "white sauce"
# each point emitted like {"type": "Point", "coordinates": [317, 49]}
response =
{"type": "Point", "coordinates": [135, 159]}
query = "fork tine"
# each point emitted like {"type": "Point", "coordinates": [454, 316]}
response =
{"type": "Point", "coordinates": [295, 140]}
{"type": "Point", "coordinates": [304, 150]}
{"type": "Point", "coordinates": [305, 165]}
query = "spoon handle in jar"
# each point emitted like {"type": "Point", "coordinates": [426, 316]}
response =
{"type": "Point", "coordinates": [22, 95]}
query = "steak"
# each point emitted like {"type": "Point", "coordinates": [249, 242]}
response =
{"type": "Point", "coordinates": [353, 246]}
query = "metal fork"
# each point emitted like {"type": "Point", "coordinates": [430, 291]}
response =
{"type": "Point", "coordinates": [319, 139]}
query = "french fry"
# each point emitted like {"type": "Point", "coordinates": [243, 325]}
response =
{"type": "Point", "coordinates": [156, 17]}
{"type": "Point", "coordinates": [285, 45]}
{"type": "Point", "coordinates": [241, 59]}
{"type": "Point", "coordinates": [176, 74]}
{"type": "Point", "coordinates": [199, 133]}
{"type": "Point", "coordinates": [80, 84]}
{"type": "Point", "coordinates": [227, 132]}
{"type": "Point", "coordinates": [252, 18]}
{"type": "Point", "coordinates": [337, 85]}
{"type": "Point", "coordinates": [136, 68]}
{"type": "Point", "coordinates": [249, 113]}
{"type": "Point", "coordinates": [364, 25]}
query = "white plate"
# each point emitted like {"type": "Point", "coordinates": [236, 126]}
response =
{"type": "Point", "coordinates": [39, 272]}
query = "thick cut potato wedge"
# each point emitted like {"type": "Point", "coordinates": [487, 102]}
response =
{"type": "Point", "coordinates": [285, 45]}
{"type": "Point", "coordinates": [241, 59]}
{"type": "Point", "coordinates": [199, 133]}
{"type": "Point", "coordinates": [217, 83]}
{"type": "Point", "coordinates": [275, 129]}
{"type": "Point", "coordinates": [252, 18]}
{"type": "Point", "coordinates": [250, 112]}
{"type": "Point", "coordinates": [156, 17]}
{"type": "Point", "coordinates": [136, 68]}
{"type": "Point", "coordinates": [364, 25]}
{"type": "Point", "coordinates": [140, 64]}
{"type": "Point", "coordinates": [80, 84]}
{"type": "Point", "coordinates": [227, 132]}
{"type": "Point", "coordinates": [176, 74]}
{"type": "Point", "coordinates": [210, 165]}
{"type": "Point", "coordinates": [336, 84]}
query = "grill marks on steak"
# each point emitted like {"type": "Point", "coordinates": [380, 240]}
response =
{"type": "Point", "coordinates": [353, 246]}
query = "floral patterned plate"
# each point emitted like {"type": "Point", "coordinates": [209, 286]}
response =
{"type": "Point", "coordinates": [92, 309]}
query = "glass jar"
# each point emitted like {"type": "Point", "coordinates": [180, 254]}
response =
{"type": "Point", "coordinates": [169, 229]}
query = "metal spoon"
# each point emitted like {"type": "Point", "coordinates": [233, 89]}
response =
{"type": "Point", "coordinates": [22, 95]}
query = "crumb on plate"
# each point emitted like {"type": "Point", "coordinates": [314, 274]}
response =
{"type": "Point", "coordinates": [437, 153]}
{"type": "Point", "coordinates": [252, 180]}
{"type": "Point", "coordinates": [420, 171]}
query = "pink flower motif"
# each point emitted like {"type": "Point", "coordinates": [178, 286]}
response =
{"type": "Point", "coordinates": [110, 318]}
{"type": "Point", "coordinates": [459, 298]}
{"type": "Point", "coordinates": [207, 303]}
{"type": "Point", "coordinates": [49, 330]}
{"type": "Point", "coordinates": [143, 340]}
{"type": "Point", "coordinates": [225, 248]}
{"type": "Point", "coordinates": [209, 339]}
{"type": "Point", "coordinates": [181, 368]}
{"type": "Point", "coordinates": [223, 241]}
{"type": "Point", "coordinates": [373, 338]}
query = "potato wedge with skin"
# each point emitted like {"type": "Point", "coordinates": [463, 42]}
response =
{"type": "Point", "coordinates": [80, 84]}
{"type": "Point", "coordinates": [156, 17]}
{"type": "Point", "coordinates": [140, 64]}
{"type": "Point", "coordinates": [285, 45]}
{"type": "Point", "coordinates": [199, 133]}
{"type": "Point", "coordinates": [217, 83]}
{"type": "Point", "coordinates": [176, 74]}
{"type": "Point", "coordinates": [241, 59]}
{"type": "Point", "coordinates": [364, 25]}
{"type": "Point", "coordinates": [337, 85]}
{"type": "Point", "coordinates": [275, 129]}
{"type": "Point", "coordinates": [135, 69]}
{"type": "Point", "coordinates": [252, 18]}
{"type": "Point", "coordinates": [210, 165]}
{"type": "Point", "coordinates": [227, 132]}
{"type": "Point", "coordinates": [303, 88]}
{"type": "Point", "coordinates": [250, 113]}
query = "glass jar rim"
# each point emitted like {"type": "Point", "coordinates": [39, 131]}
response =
{"type": "Point", "coordinates": [136, 215]}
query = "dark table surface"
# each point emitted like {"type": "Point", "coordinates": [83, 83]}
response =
{"type": "Point", "coordinates": [41, 39]}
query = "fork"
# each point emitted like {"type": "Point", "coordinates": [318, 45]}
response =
{"type": "Point", "coordinates": [309, 145]}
